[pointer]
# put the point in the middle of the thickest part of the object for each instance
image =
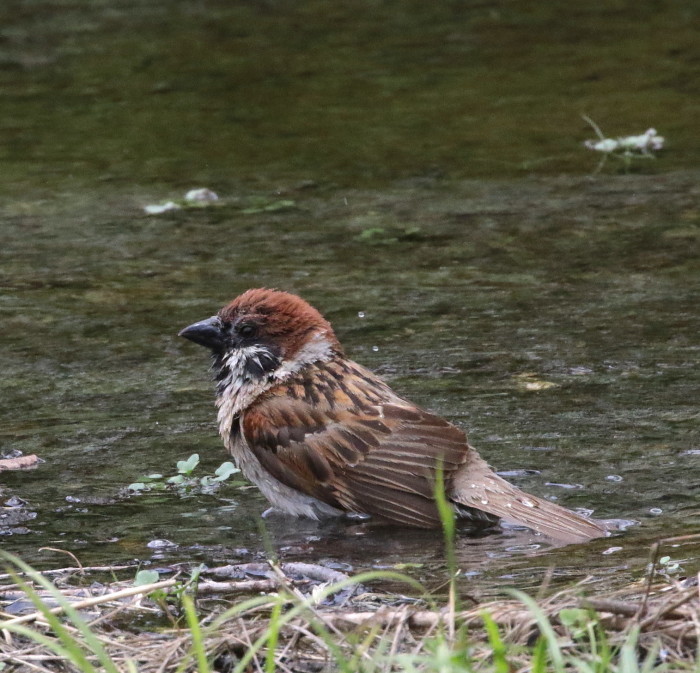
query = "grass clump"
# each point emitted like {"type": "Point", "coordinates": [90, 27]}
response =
{"type": "Point", "coordinates": [303, 618]}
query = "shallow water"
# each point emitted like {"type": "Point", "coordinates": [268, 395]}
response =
{"type": "Point", "coordinates": [399, 168]}
{"type": "Point", "coordinates": [269, 93]}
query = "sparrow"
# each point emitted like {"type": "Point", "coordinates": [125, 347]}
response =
{"type": "Point", "coordinates": [321, 436]}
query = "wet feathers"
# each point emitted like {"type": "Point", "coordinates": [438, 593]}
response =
{"type": "Point", "coordinates": [322, 435]}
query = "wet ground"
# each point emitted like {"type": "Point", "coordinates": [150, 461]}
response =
{"type": "Point", "coordinates": [397, 169]}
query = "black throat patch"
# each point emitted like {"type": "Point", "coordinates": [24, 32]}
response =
{"type": "Point", "coordinates": [260, 363]}
{"type": "Point", "coordinates": [253, 364]}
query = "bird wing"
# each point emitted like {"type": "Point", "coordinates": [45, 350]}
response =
{"type": "Point", "coordinates": [348, 440]}
{"type": "Point", "coordinates": [341, 435]}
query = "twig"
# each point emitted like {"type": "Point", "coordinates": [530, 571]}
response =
{"type": "Point", "coordinates": [242, 587]}
{"type": "Point", "coordinates": [397, 636]}
{"type": "Point", "coordinates": [650, 578]}
{"type": "Point", "coordinates": [286, 582]}
{"type": "Point", "coordinates": [68, 553]}
{"type": "Point", "coordinates": [612, 606]}
{"type": "Point", "coordinates": [71, 569]}
{"type": "Point", "coordinates": [31, 665]}
{"type": "Point", "coordinates": [655, 549]}
{"type": "Point", "coordinates": [249, 644]}
{"type": "Point", "coordinates": [171, 652]}
{"type": "Point", "coordinates": [291, 644]}
{"type": "Point", "coordinates": [314, 572]}
{"type": "Point", "coordinates": [95, 600]}
{"type": "Point", "coordinates": [667, 609]}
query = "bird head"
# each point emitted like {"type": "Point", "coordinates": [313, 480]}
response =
{"type": "Point", "coordinates": [265, 333]}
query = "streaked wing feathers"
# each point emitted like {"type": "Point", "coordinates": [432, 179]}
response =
{"type": "Point", "coordinates": [378, 459]}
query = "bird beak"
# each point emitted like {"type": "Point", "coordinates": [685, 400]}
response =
{"type": "Point", "coordinates": [206, 333]}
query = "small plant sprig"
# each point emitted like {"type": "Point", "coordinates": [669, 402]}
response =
{"type": "Point", "coordinates": [667, 567]}
{"type": "Point", "coordinates": [170, 600]}
{"type": "Point", "coordinates": [184, 482]}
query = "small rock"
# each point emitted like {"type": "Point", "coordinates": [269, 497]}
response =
{"type": "Point", "coordinates": [161, 544]}
{"type": "Point", "coordinates": [201, 195]}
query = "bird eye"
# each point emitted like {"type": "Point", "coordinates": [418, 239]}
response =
{"type": "Point", "coordinates": [246, 330]}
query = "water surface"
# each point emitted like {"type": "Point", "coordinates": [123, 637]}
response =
{"type": "Point", "coordinates": [416, 173]}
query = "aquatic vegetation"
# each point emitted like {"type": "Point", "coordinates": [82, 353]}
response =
{"type": "Point", "coordinates": [261, 204]}
{"type": "Point", "coordinates": [197, 198]}
{"type": "Point", "coordinates": [626, 148]}
{"type": "Point", "coordinates": [185, 481]}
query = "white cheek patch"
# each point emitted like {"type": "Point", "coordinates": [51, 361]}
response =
{"type": "Point", "coordinates": [317, 349]}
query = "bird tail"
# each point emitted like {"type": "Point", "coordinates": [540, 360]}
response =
{"type": "Point", "coordinates": [476, 485]}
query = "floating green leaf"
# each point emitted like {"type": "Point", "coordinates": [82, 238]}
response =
{"type": "Point", "coordinates": [144, 577]}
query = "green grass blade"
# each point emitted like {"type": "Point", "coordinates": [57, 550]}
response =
{"type": "Point", "coordinates": [273, 637]}
{"type": "Point", "coordinates": [546, 629]}
{"type": "Point", "coordinates": [498, 647]}
{"type": "Point", "coordinates": [303, 607]}
{"type": "Point", "coordinates": [198, 647]}
{"type": "Point", "coordinates": [447, 519]}
{"type": "Point", "coordinates": [91, 641]}
{"type": "Point", "coordinates": [66, 653]}
{"type": "Point", "coordinates": [539, 656]}
{"type": "Point", "coordinates": [73, 649]}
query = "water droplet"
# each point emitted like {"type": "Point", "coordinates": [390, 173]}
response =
{"type": "Point", "coordinates": [509, 504]}
{"type": "Point", "coordinates": [358, 516]}
{"type": "Point", "coordinates": [484, 501]}
{"type": "Point", "coordinates": [655, 511]}
{"type": "Point", "coordinates": [611, 550]}
{"type": "Point", "coordinates": [360, 314]}
{"type": "Point", "coordinates": [527, 503]}
{"type": "Point", "coordinates": [375, 348]}
{"type": "Point", "coordinates": [613, 477]}
{"type": "Point", "coordinates": [473, 485]}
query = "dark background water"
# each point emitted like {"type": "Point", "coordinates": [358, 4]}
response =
{"type": "Point", "coordinates": [419, 163]}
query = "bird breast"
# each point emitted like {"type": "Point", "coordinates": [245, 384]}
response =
{"type": "Point", "coordinates": [279, 495]}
